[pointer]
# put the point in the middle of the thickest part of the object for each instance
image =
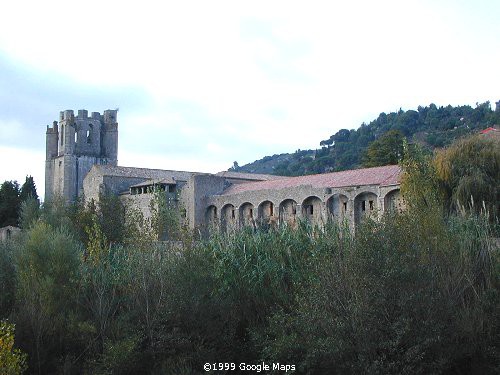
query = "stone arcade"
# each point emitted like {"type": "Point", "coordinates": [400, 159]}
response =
{"type": "Point", "coordinates": [81, 159]}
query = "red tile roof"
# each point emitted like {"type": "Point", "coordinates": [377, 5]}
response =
{"type": "Point", "coordinates": [383, 176]}
{"type": "Point", "coordinates": [487, 130]}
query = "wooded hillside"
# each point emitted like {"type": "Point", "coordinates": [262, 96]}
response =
{"type": "Point", "coordinates": [430, 126]}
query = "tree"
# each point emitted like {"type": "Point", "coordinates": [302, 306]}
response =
{"type": "Point", "coordinates": [9, 203]}
{"type": "Point", "coordinates": [99, 282]}
{"type": "Point", "coordinates": [29, 212]}
{"type": "Point", "coordinates": [111, 211]}
{"type": "Point", "coordinates": [469, 172]}
{"type": "Point", "coordinates": [46, 265]}
{"type": "Point", "coordinates": [419, 181]}
{"type": "Point", "coordinates": [28, 190]}
{"type": "Point", "coordinates": [166, 220]}
{"type": "Point", "coordinates": [235, 167]}
{"type": "Point", "coordinates": [12, 361]}
{"type": "Point", "coordinates": [386, 150]}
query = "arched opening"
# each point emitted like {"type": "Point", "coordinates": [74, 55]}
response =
{"type": "Point", "coordinates": [246, 215]}
{"type": "Point", "coordinates": [211, 216]}
{"type": "Point", "coordinates": [365, 205]}
{"type": "Point", "coordinates": [393, 201]}
{"type": "Point", "coordinates": [89, 133]}
{"type": "Point", "coordinates": [337, 206]}
{"type": "Point", "coordinates": [228, 217]}
{"type": "Point", "coordinates": [288, 212]}
{"type": "Point", "coordinates": [311, 210]}
{"type": "Point", "coordinates": [266, 213]}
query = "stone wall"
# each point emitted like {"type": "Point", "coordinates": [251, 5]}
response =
{"type": "Point", "coordinates": [73, 146]}
{"type": "Point", "coordinates": [8, 232]}
{"type": "Point", "coordinates": [317, 205]}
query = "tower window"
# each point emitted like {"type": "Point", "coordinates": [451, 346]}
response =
{"type": "Point", "coordinates": [89, 133]}
{"type": "Point", "coordinates": [363, 205]}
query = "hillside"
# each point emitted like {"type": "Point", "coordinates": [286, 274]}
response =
{"type": "Point", "coordinates": [431, 126]}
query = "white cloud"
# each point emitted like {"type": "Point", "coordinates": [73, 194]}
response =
{"type": "Point", "coordinates": [230, 80]}
{"type": "Point", "coordinates": [18, 163]}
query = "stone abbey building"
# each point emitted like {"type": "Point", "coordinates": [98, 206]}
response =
{"type": "Point", "coordinates": [81, 160]}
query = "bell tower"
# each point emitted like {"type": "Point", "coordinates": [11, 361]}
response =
{"type": "Point", "coordinates": [73, 146]}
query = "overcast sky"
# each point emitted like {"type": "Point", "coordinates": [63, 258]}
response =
{"type": "Point", "coordinates": [202, 84]}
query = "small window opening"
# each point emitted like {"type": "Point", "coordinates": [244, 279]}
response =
{"type": "Point", "coordinates": [89, 138]}
{"type": "Point", "coordinates": [250, 213]}
{"type": "Point", "coordinates": [311, 209]}
{"type": "Point", "coordinates": [171, 188]}
{"type": "Point", "coordinates": [371, 205]}
{"type": "Point", "coordinates": [232, 214]}
{"type": "Point", "coordinates": [363, 206]}
{"type": "Point", "coordinates": [76, 137]}
{"type": "Point", "coordinates": [345, 206]}
{"type": "Point", "coordinates": [271, 210]}
{"type": "Point", "coordinates": [294, 210]}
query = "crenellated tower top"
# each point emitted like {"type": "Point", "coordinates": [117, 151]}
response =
{"type": "Point", "coordinates": [74, 144]}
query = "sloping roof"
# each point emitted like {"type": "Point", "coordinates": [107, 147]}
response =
{"type": "Point", "coordinates": [249, 176]}
{"type": "Point", "coordinates": [167, 181]}
{"type": "Point", "coordinates": [487, 130]}
{"type": "Point", "coordinates": [109, 170]}
{"type": "Point", "coordinates": [384, 176]}
{"type": "Point", "coordinates": [491, 132]}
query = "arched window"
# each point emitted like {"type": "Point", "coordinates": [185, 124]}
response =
{"type": "Point", "coordinates": [89, 134]}
{"type": "Point", "coordinates": [246, 215]}
{"type": "Point", "coordinates": [365, 205]}
{"type": "Point", "coordinates": [311, 210]}
{"type": "Point", "coordinates": [288, 212]}
{"type": "Point", "coordinates": [228, 217]}
{"type": "Point", "coordinates": [265, 213]}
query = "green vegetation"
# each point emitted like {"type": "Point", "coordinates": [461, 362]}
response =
{"type": "Point", "coordinates": [92, 291]}
{"type": "Point", "coordinates": [12, 198]}
{"type": "Point", "coordinates": [385, 150]}
{"type": "Point", "coordinates": [12, 361]}
{"type": "Point", "coordinates": [380, 141]}
{"type": "Point", "coordinates": [469, 171]}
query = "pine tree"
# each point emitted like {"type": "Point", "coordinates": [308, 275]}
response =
{"type": "Point", "coordinates": [9, 203]}
{"type": "Point", "coordinates": [28, 189]}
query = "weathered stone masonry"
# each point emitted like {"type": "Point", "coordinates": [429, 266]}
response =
{"type": "Point", "coordinates": [81, 160]}
{"type": "Point", "coordinates": [73, 146]}
{"type": "Point", "coordinates": [317, 199]}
